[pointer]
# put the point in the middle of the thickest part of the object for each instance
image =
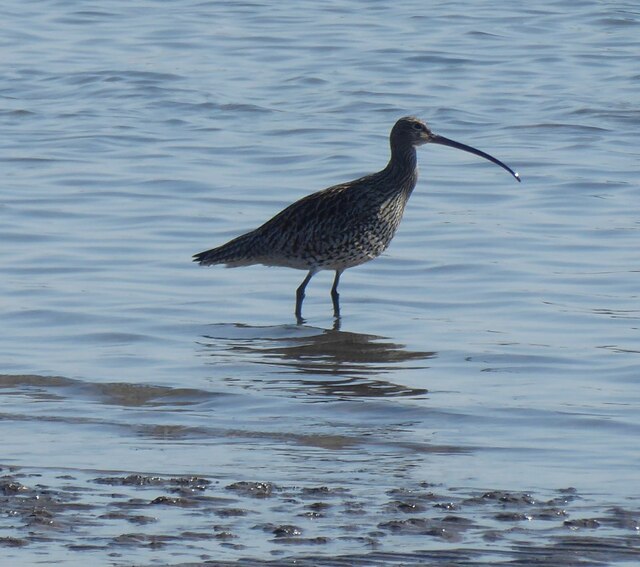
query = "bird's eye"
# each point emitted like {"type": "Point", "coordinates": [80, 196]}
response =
{"type": "Point", "coordinates": [417, 126]}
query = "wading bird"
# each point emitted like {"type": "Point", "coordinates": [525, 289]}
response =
{"type": "Point", "coordinates": [342, 226]}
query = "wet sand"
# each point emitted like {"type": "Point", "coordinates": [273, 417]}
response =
{"type": "Point", "coordinates": [89, 517]}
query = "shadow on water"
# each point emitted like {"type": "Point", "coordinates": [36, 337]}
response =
{"type": "Point", "coordinates": [336, 363]}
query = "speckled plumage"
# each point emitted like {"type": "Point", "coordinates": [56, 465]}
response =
{"type": "Point", "coordinates": [342, 226]}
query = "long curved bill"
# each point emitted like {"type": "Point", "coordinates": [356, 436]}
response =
{"type": "Point", "coordinates": [436, 139]}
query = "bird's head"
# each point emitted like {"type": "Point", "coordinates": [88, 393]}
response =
{"type": "Point", "coordinates": [412, 131]}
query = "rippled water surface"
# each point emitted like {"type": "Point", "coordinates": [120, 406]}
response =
{"type": "Point", "coordinates": [477, 404]}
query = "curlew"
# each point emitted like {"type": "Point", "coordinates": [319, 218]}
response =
{"type": "Point", "coordinates": [344, 225]}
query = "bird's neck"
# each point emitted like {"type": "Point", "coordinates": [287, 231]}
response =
{"type": "Point", "coordinates": [403, 160]}
{"type": "Point", "coordinates": [402, 166]}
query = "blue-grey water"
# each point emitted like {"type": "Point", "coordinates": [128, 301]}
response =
{"type": "Point", "coordinates": [479, 402]}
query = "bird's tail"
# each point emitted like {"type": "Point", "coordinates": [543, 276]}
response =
{"type": "Point", "coordinates": [240, 251]}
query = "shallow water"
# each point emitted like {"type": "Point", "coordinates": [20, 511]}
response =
{"type": "Point", "coordinates": [478, 402]}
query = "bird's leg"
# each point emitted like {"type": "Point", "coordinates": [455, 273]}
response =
{"type": "Point", "coordinates": [300, 296]}
{"type": "Point", "coordinates": [335, 296]}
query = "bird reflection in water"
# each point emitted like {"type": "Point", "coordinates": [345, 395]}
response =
{"type": "Point", "coordinates": [338, 364]}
